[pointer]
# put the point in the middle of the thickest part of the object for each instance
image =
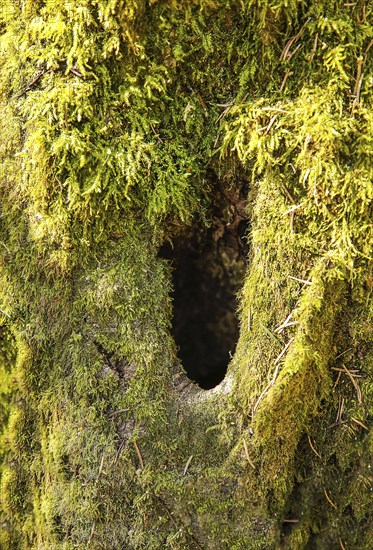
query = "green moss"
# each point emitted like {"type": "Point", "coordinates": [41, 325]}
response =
{"type": "Point", "coordinates": [113, 148]}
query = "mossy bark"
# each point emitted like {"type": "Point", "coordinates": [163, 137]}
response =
{"type": "Point", "coordinates": [127, 125]}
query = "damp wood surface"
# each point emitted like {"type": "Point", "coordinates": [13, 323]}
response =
{"type": "Point", "coordinates": [186, 278]}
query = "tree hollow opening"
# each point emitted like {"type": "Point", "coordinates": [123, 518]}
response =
{"type": "Point", "coordinates": [208, 269]}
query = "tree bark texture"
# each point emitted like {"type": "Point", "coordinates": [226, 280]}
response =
{"type": "Point", "coordinates": [186, 274]}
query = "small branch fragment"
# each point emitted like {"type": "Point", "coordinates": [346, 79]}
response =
{"type": "Point", "coordinates": [300, 280]}
{"type": "Point", "coordinates": [292, 209]}
{"type": "Point", "coordinates": [286, 191]}
{"type": "Point", "coordinates": [274, 377]}
{"type": "Point", "coordinates": [284, 351]}
{"type": "Point", "coordinates": [341, 407]}
{"type": "Point", "coordinates": [200, 99]}
{"type": "Point", "coordinates": [276, 110]}
{"type": "Point", "coordinates": [312, 447]}
{"type": "Point", "coordinates": [354, 383]}
{"type": "Point", "coordinates": [247, 456]}
{"type": "Point", "coordinates": [139, 454]}
{"type": "Point", "coordinates": [91, 535]}
{"type": "Point", "coordinates": [286, 54]}
{"type": "Point", "coordinates": [267, 128]}
{"type": "Point", "coordinates": [329, 499]}
{"type": "Point", "coordinates": [284, 324]}
{"type": "Point", "coordinates": [359, 423]}
{"type": "Point", "coordinates": [101, 467]}
{"type": "Point", "coordinates": [187, 465]}
{"type": "Point", "coordinates": [336, 382]}
{"type": "Point", "coordinates": [286, 76]}
{"type": "Point", "coordinates": [314, 49]}
{"type": "Point", "coordinates": [37, 76]}
{"type": "Point", "coordinates": [291, 520]}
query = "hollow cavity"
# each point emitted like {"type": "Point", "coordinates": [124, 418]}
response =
{"type": "Point", "coordinates": [208, 270]}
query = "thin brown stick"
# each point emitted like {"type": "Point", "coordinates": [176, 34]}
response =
{"type": "Point", "coordinates": [340, 542]}
{"type": "Point", "coordinates": [284, 351]}
{"type": "Point", "coordinates": [101, 467]}
{"type": "Point", "coordinates": [139, 454]}
{"type": "Point", "coordinates": [312, 447]}
{"type": "Point", "coordinates": [343, 353]}
{"type": "Point", "coordinates": [300, 280]}
{"type": "Point", "coordinates": [314, 49]}
{"type": "Point", "coordinates": [292, 209]}
{"type": "Point", "coordinates": [187, 465]}
{"type": "Point", "coordinates": [286, 191]}
{"type": "Point", "coordinates": [200, 99]}
{"type": "Point", "coordinates": [276, 110]}
{"type": "Point", "coordinates": [247, 456]}
{"type": "Point", "coordinates": [262, 395]}
{"type": "Point", "coordinates": [354, 372]}
{"type": "Point", "coordinates": [359, 423]}
{"type": "Point", "coordinates": [119, 450]}
{"type": "Point", "coordinates": [270, 124]}
{"type": "Point", "coordinates": [336, 382]}
{"type": "Point", "coordinates": [329, 499]}
{"type": "Point", "coordinates": [224, 113]}
{"type": "Point", "coordinates": [91, 535]}
{"type": "Point", "coordinates": [293, 40]}
{"type": "Point", "coordinates": [354, 383]}
{"type": "Point", "coordinates": [290, 54]}
{"type": "Point", "coordinates": [367, 50]}
{"type": "Point", "coordinates": [291, 520]}
{"type": "Point", "coordinates": [341, 407]}
{"type": "Point", "coordinates": [284, 324]}
{"type": "Point", "coordinates": [286, 76]}
{"type": "Point", "coordinates": [119, 411]}
{"type": "Point", "coordinates": [358, 75]}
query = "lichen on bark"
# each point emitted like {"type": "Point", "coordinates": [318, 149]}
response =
{"type": "Point", "coordinates": [122, 124]}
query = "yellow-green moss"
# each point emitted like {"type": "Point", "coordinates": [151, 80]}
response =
{"type": "Point", "coordinates": [139, 107]}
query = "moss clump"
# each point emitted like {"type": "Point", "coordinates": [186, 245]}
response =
{"type": "Point", "coordinates": [122, 123]}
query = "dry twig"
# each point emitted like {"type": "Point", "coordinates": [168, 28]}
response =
{"type": "Point", "coordinates": [300, 280]}
{"type": "Point", "coordinates": [354, 383]}
{"type": "Point", "coordinates": [329, 499]}
{"type": "Point", "coordinates": [359, 423]}
{"type": "Point", "coordinates": [312, 447]}
{"type": "Point", "coordinates": [139, 454]}
{"type": "Point", "coordinates": [247, 456]}
{"type": "Point", "coordinates": [101, 467]}
{"type": "Point", "coordinates": [187, 464]}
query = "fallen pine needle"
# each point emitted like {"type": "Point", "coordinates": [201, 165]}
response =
{"type": "Point", "coordinates": [359, 423]}
{"type": "Point", "coordinates": [284, 351]}
{"type": "Point", "coordinates": [313, 448]}
{"type": "Point", "coordinates": [329, 499]}
{"type": "Point", "coordinates": [354, 383]}
{"type": "Point", "coordinates": [139, 454]}
{"type": "Point", "coordinates": [291, 520]}
{"type": "Point", "coordinates": [300, 280]}
{"type": "Point", "coordinates": [91, 535]}
{"type": "Point", "coordinates": [247, 454]}
{"type": "Point", "coordinates": [101, 467]}
{"type": "Point", "coordinates": [187, 464]}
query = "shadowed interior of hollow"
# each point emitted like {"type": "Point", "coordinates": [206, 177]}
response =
{"type": "Point", "coordinates": [208, 268]}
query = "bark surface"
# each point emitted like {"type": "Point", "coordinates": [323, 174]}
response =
{"type": "Point", "coordinates": [186, 314]}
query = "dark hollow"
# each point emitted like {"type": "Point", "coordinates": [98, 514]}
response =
{"type": "Point", "coordinates": [208, 267]}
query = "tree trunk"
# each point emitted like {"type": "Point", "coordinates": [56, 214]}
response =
{"type": "Point", "coordinates": [186, 274]}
